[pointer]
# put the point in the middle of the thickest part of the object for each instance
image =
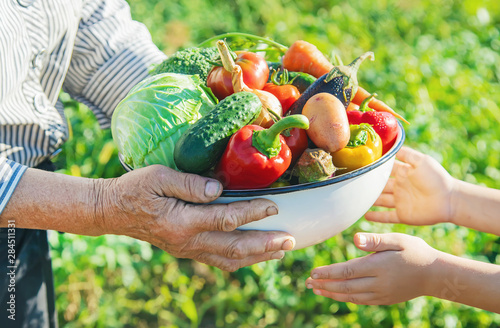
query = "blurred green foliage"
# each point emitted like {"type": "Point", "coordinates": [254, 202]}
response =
{"type": "Point", "coordinates": [436, 62]}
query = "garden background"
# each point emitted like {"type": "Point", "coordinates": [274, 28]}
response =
{"type": "Point", "coordinates": [436, 62]}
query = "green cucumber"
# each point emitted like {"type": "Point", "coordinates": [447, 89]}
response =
{"type": "Point", "coordinates": [301, 80]}
{"type": "Point", "coordinates": [201, 146]}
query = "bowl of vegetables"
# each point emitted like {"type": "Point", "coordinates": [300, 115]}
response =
{"type": "Point", "coordinates": [322, 149]}
{"type": "Point", "coordinates": [316, 211]}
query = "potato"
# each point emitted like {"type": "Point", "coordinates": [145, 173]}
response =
{"type": "Point", "coordinates": [328, 123]}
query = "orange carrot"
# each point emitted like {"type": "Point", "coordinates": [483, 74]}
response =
{"type": "Point", "coordinates": [303, 56]}
{"type": "Point", "coordinates": [375, 104]}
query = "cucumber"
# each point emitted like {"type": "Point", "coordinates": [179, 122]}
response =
{"type": "Point", "coordinates": [201, 146]}
{"type": "Point", "coordinates": [301, 80]}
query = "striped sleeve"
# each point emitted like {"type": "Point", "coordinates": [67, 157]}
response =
{"type": "Point", "coordinates": [10, 175]}
{"type": "Point", "coordinates": [112, 53]}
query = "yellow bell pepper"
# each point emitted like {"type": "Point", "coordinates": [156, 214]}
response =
{"type": "Point", "coordinates": [364, 148]}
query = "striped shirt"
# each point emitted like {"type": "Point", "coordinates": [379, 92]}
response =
{"type": "Point", "coordinates": [91, 49]}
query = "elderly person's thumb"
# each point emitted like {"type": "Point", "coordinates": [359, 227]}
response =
{"type": "Point", "coordinates": [185, 186]}
{"type": "Point", "coordinates": [373, 242]}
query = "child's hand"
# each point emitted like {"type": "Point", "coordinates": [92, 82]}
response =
{"type": "Point", "coordinates": [397, 272]}
{"type": "Point", "coordinates": [419, 189]}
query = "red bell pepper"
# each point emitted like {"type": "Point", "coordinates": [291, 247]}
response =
{"type": "Point", "coordinates": [384, 123]}
{"type": "Point", "coordinates": [296, 139]}
{"type": "Point", "coordinates": [256, 157]}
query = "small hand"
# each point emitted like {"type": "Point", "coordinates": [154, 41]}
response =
{"type": "Point", "coordinates": [398, 271]}
{"type": "Point", "coordinates": [164, 207]}
{"type": "Point", "coordinates": [419, 190]}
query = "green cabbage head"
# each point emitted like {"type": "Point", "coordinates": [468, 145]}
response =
{"type": "Point", "coordinates": [149, 120]}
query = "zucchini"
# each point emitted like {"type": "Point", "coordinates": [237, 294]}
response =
{"type": "Point", "coordinates": [201, 146]}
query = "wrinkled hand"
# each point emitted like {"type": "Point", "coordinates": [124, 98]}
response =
{"type": "Point", "coordinates": [397, 272]}
{"type": "Point", "coordinates": [164, 207]}
{"type": "Point", "coordinates": [419, 190]}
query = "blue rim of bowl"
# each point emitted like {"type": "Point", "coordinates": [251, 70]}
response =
{"type": "Point", "coordinates": [311, 185]}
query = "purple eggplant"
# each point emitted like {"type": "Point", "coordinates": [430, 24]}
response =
{"type": "Point", "coordinates": [341, 81]}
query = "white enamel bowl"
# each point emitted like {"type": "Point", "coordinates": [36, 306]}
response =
{"type": "Point", "coordinates": [314, 212]}
{"type": "Point", "coordinates": [317, 211]}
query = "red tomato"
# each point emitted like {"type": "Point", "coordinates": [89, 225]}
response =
{"type": "Point", "coordinates": [255, 74]}
{"type": "Point", "coordinates": [287, 94]}
{"type": "Point", "coordinates": [296, 139]}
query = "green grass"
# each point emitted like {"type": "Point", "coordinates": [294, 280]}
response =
{"type": "Point", "coordinates": [436, 62]}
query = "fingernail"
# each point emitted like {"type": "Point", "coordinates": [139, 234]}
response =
{"type": "Point", "coordinates": [288, 245]}
{"type": "Point", "coordinates": [278, 255]}
{"type": "Point", "coordinates": [314, 276]}
{"type": "Point", "coordinates": [362, 240]}
{"type": "Point", "coordinates": [317, 292]}
{"type": "Point", "coordinates": [272, 210]}
{"type": "Point", "coordinates": [309, 286]}
{"type": "Point", "coordinates": [212, 188]}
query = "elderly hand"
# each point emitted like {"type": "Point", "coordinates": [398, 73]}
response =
{"type": "Point", "coordinates": [167, 208]}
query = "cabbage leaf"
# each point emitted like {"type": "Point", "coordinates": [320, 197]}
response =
{"type": "Point", "coordinates": [148, 121]}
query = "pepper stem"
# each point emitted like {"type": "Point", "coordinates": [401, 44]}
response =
{"type": "Point", "coordinates": [359, 135]}
{"type": "Point", "coordinates": [268, 142]}
{"type": "Point", "coordinates": [364, 104]}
